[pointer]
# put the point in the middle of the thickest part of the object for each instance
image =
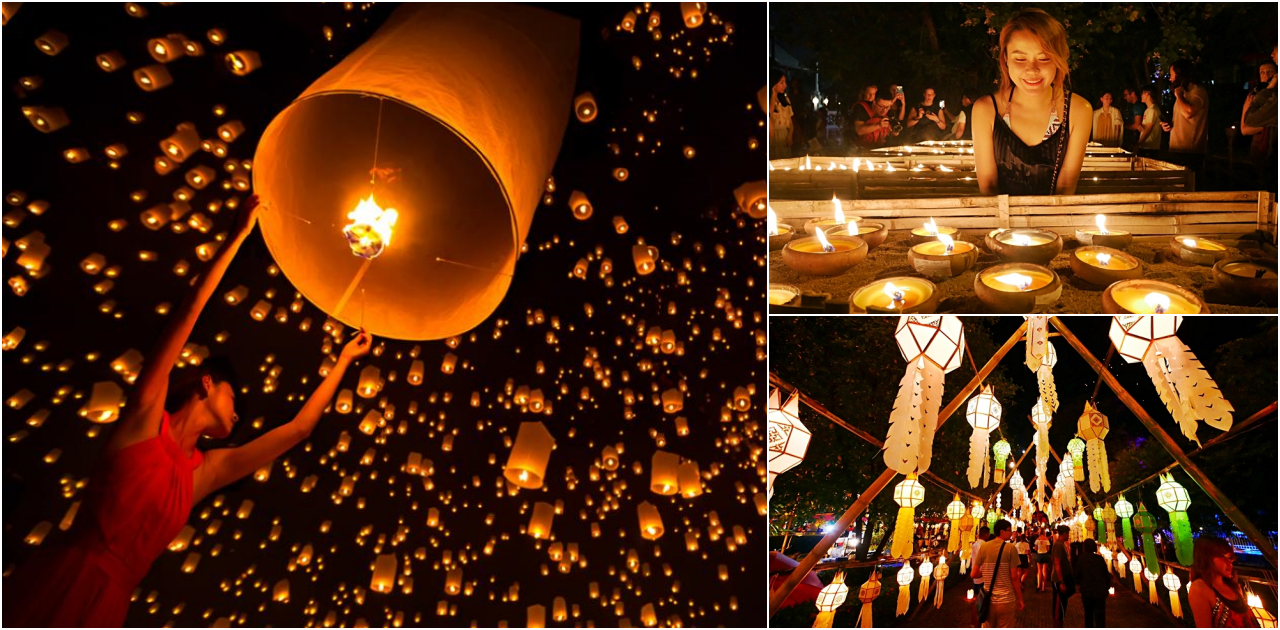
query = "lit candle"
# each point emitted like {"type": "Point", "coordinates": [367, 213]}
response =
{"type": "Point", "coordinates": [894, 293]}
{"type": "Point", "coordinates": [1145, 297]}
{"type": "Point", "coordinates": [826, 245]}
{"type": "Point", "coordinates": [1101, 220]}
{"type": "Point", "coordinates": [1104, 259]}
{"type": "Point", "coordinates": [780, 294]}
{"type": "Point", "coordinates": [1020, 240]}
{"type": "Point", "coordinates": [370, 229]}
{"type": "Point", "coordinates": [930, 227]}
{"type": "Point", "coordinates": [1158, 302]}
{"type": "Point", "coordinates": [947, 243]}
{"type": "Point", "coordinates": [1016, 279]}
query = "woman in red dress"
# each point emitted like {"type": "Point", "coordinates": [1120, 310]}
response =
{"type": "Point", "coordinates": [1215, 595]}
{"type": "Point", "coordinates": [151, 472]}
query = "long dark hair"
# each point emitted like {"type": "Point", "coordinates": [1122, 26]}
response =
{"type": "Point", "coordinates": [774, 77]}
{"type": "Point", "coordinates": [185, 383]}
{"type": "Point", "coordinates": [1186, 73]}
{"type": "Point", "coordinates": [1205, 550]}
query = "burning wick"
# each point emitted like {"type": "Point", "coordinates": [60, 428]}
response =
{"type": "Point", "coordinates": [1103, 259]}
{"type": "Point", "coordinates": [1016, 279]}
{"type": "Point", "coordinates": [946, 240]}
{"type": "Point", "coordinates": [931, 227]}
{"type": "Point", "coordinates": [889, 167]}
{"type": "Point", "coordinates": [1189, 242]}
{"type": "Point", "coordinates": [773, 222]}
{"type": "Point", "coordinates": [839, 211]}
{"type": "Point", "coordinates": [370, 229]}
{"type": "Point", "coordinates": [943, 168]}
{"type": "Point", "coordinates": [807, 165]}
{"type": "Point", "coordinates": [1101, 220]}
{"type": "Point", "coordinates": [826, 245]}
{"type": "Point", "coordinates": [857, 164]}
{"type": "Point", "coordinates": [1158, 302]}
{"type": "Point", "coordinates": [894, 294]}
{"type": "Point", "coordinates": [1021, 239]}
{"type": "Point", "coordinates": [852, 229]}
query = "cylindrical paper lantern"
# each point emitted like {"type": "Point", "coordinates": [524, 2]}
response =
{"type": "Point", "coordinates": [692, 12]}
{"type": "Point", "coordinates": [527, 464]}
{"type": "Point", "coordinates": [645, 258]}
{"type": "Point", "coordinates": [152, 77]}
{"type": "Point", "coordinates": [111, 61]}
{"type": "Point", "coordinates": [540, 522]}
{"type": "Point", "coordinates": [461, 162]}
{"type": "Point", "coordinates": [663, 473]}
{"type": "Point", "coordinates": [370, 382]}
{"type": "Point", "coordinates": [580, 205]}
{"type": "Point", "coordinates": [165, 49]}
{"type": "Point", "coordinates": [690, 480]}
{"type": "Point", "coordinates": [242, 62]}
{"type": "Point", "coordinates": [650, 521]}
{"type": "Point", "coordinates": [104, 403]}
{"type": "Point", "coordinates": [52, 42]}
{"type": "Point", "coordinates": [584, 107]}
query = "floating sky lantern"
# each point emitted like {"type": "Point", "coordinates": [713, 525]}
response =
{"type": "Point", "coordinates": [788, 437]}
{"type": "Point", "coordinates": [1174, 499]}
{"type": "Point", "coordinates": [371, 228]}
{"type": "Point", "coordinates": [933, 346]}
{"type": "Point", "coordinates": [650, 521]}
{"type": "Point", "coordinates": [1092, 428]}
{"type": "Point", "coordinates": [908, 494]}
{"type": "Point", "coordinates": [527, 464]}
{"type": "Point", "coordinates": [983, 413]}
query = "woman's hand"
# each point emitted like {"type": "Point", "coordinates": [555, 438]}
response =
{"type": "Point", "coordinates": [248, 215]}
{"type": "Point", "coordinates": [357, 347]}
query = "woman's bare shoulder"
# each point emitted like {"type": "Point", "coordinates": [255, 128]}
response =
{"type": "Point", "coordinates": [982, 107]}
{"type": "Point", "coordinates": [1080, 106]}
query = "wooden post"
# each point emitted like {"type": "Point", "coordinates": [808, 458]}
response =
{"type": "Point", "coordinates": [1002, 218]}
{"type": "Point", "coordinates": [1225, 504]}
{"type": "Point", "coordinates": [1265, 220]}
{"type": "Point", "coordinates": [777, 597]}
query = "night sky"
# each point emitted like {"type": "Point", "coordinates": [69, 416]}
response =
{"type": "Point", "coordinates": [582, 342]}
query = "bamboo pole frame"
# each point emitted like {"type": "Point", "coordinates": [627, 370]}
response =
{"type": "Point", "coordinates": [780, 595]}
{"type": "Point", "coordinates": [1079, 488]}
{"type": "Point", "coordinates": [1211, 489]}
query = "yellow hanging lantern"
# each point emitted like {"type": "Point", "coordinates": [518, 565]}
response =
{"type": "Point", "coordinates": [926, 569]}
{"type": "Point", "coordinates": [829, 599]}
{"type": "Point", "coordinates": [1135, 567]}
{"type": "Point", "coordinates": [868, 593]}
{"type": "Point", "coordinates": [1264, 617]}
{"type": "Point", "coordinates": [454, 160]}
{"type": "Point", "coordinates": [1151, 586]}
{"type": "Point", "coordinates": [955, 510]}
{"type": "Point", "coordinates": [905, 576]}
{"type": "Point", "coordinates": [940, 578]}
{"type": "Point", "coordinates": [1093, 427]}
{"type": "Point", "coordinates": [908, 494]}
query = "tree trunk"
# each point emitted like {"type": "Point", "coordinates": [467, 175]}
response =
{"type": "Point", "coordinates": [861, 551]}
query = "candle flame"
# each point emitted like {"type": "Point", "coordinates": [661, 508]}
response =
{"type": "Point", "coordinates": [839, 211]}
{"type": "Point", "coordinates": [852, 230]}
{"type": "Point", "coordinates": [370, 229]}
{"type": "Point", "coordinates": [857, 164]}
{"type": "Point", "coordinates": [773, 221]}
{"type": "Point", "coordinates": [806, 163]}
{"type": "Point", "coordinates": [1254, 601]}
{"type": "Point", "coordinates": [943, 168]}
{"type": "Point", "coordinates": [1021, 239]}
{"type": "Point", "coordinates": [894, 293]}
{"type": "Point", "coordinates": [946, 240]}
{"type": "Point", "coordinates": [1101, 220]}
{"type": "Point", "coordinates": [931, 227]}
{"type": "Point", "coordinates": [1189, 242]}
{"type": "Point", "coordinates": [1016, 279]}
{"type": "Point", "coordinates": [822, 239]}
{"type": "Point", "coordinates": [1104, 259]}
{"type": "Point", "coordinates": [832, 167]}
{"type": "Point", "coordinates": [1158, 302]}
{"type": "Point", "coordinates": [889, 167]}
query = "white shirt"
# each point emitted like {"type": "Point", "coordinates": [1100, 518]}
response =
{"type": "Point", "coordinates": [973, 557]}
{"type": "Point", "coordinates": [1107, 130]}
{"type": "Point", "coordinates": [1023, 547]}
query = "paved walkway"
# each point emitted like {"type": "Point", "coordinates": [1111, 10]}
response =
{"type": "Point", "coordinates": [1124, 609]}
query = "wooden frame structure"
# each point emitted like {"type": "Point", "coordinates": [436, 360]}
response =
{"type": "Point", "coordinates": [778, 596]}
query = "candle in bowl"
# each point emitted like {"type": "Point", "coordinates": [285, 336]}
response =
{"type": "Point", "coordinates": [1115, 239]}
{"type": "Point", "coordinates": [1196, 250]}
{"type": "Point", "coordinates": [837, 220]}
{"type": "Point", "coordinates": [930, 231]}
{"type": "Point", "coordinates": [1252, 279]}
{"type": "Point", "coordinates": [779, 233]}
{"type": "Point", "coordinates": [783, 295]}
{"type": "Point", "coordinates": [1150, 297]}
{"type": "Point", "coordinates": [873, 233]}
{"type": "Point", "coordinates": [1017, 287]}
{"type": "Point", "coordinates": [821, 256]}
{"type": "Point", "coordinates": [1028, 245]}
{"type": "Point", "coordinates": [1100, 266]}
{"type": "Point", "coordinates": [895, 295]}
{"type": "Point", "coordinates": [943, 258]}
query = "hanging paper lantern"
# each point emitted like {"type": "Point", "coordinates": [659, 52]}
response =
{"type": "Point", "coordinates": [1041, 357]}
{"type": "Point", "coordinates": [968, 533]}
{"type": "Point", "coordinates": [1174, 499]}
{"type": "Point", "coordinates": [1146, 524]}
{"type": "Point", "coordinates": [829, 599]}
{"type": "Point", "coordinates": [1042, 418]}
{"type": "Point", "coordinates": [1151, 586]}
{"type": "Point", "coordinates": [1185, 387]}
{"type": "Point", "coordinates": [905, 576]}
{"type": "Point", "coordinates": [1076, 448]}
{"type": "Point", "coordinates": [788, 438]}
{"type": "Point", "coordinates": [1265, 618]}
{"type": "Point", "coordinates": [869, 591]}
{"type": "Point", "coordinates": [983, 413]}
{"type": "Point", "coordinates": [940, 578]}
{"type": "Point", "coordinates": [926, 569]}
{"type": "Point", "coordinates": [1124, 510]}
{"type": "Point", "coordinates": [1172, 583]}
{"type": "Point", "coordinates": [1121, 563]}
{"type": "Point", "coordinates": [464, 170]}
{"type": "Point", "coordinates": [1001, 452]}
{"type": "Point", "coordinates": [1135, 567]}
{"type": "Point", "coordinates": [933, 345]}
{"type": "Point", "coordinates": [1093, 427]}
{"type": "Point", "coordinates": [955, 510]}
{"type": "Point", "coordinates": [1109, 515]}
{"type": "Point", "coordinates": [908, 494]}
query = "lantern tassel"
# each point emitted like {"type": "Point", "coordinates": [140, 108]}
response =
{"type": "Point", "coordinates": [1175, 603]}
{"type": "Point", "coordinates": [1196, 393]}
{"type": "Point", "coordinates": [1137, 582]}
{"type": "Point", "coordinates": [824, 619]}
{"type": "Point", "coordinates": [939, 590]}
{"type": "Point", "coordinates": [1048, 390]}
{"type": "Point", "coordinates": [930, 404]}
{"type": "Point", "coordinates": [1149, 548]}
{"type": "Point", "coordinates": [924, 587]}
{"type": "Point", "coordinates": [1182, 537]}
{"type": "Point", "coordinates": [1128, 534]}
{"type": "Point", "coordinates": [1151, 592]}
{"type": "Point", "coordinates": [1077, 470]}
{"type": "Point", "coordinates": [977, 455]}
{"type": "Point", "coordinates": [901, 446]}
{"type": "Point", "coordinates": [904, 533]}
{"type": "Point", "coordinates": [1097, 460]}
{"type": "Point", "coordinates": [999, 472]}
{"type": "Point", "coordinates": [1119, 569]}
{"type": "Point", "coordinates": [953, 539]}
{"type": "Point", "coordinates": [904, 598]}
{"type": "Point", "coordinates": [864, 616]}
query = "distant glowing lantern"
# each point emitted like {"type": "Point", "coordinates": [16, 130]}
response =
{"type": "Point", "coordinates": [1174, 499]}
{"type": "Point", "coordinates": [165, 49]}
{"type": "Point", "coordinates": [692, 13]}
{"type": "Point", "coordinates": [370, 382]}
{"type": "Point", "coordinates": [905, 576]}
{"type": "Point", "coordinates": [52, 42]}
{"type": "Point", "coordinates": [153, 77]}
{"type": "Point", "coordinates": [110, 61]}
{"type": "Point", "coordinates": [384, 573]}
{"type": "Point", "coordinates": [664, 475]}
{"type": "Point", "coordinates": [645, 258]}
{"type": "Point", "coordinates": [527, 464]}
{"type": "Point", "coordinates": [650, 521]}
{"type": "Point", "coordinates": [983, 413]}
{"type": "Point", "coordinates": [242, 62]}
{"type": "Point", "coordinates": [540, 521]}
{"type": "Point", "coordinates": [908, 494]}
{"type": "Point", "coordinates": [580, 206]}
{"type": "Point", "coordinates": [104, 403]}
{"type": "Point", "coordinates": [584, 107]}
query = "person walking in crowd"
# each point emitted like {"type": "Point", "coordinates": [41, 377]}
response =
{"type": "Point", "coordinates": [931, 112]}
{"type": "Point", "coordinates": [1042, 559]}
{"type": "Point", "coordinates": [996, 564]}
{"type": "Point", "coordinates": [780, 118]}
{"type": "Point", "coordinates": [1063, 576]}
{"type": "Point", "coordinates": [983, 535]}
{"type": "Point", "coordinates": [1215, 595]}
{"type": "Point", "coordinates": [1188, 123]}
{"type": "Point", "coordinates": [1024, 549]}
{"type": "Point", "coordinates": [1133, 118]}
{"type": "Point", "coordinates": [874, 125]}
{"type": "Point", "coordinates": [1022, 145]}
{"type": "Point", "coordinates": [1258, 119]}
{"type": "Point", "coordinates": [1149, 138]}
{"type": "Point", "coordinates": [1108, 123]}
{"type": "Point", "coordinates": [1094, 579]}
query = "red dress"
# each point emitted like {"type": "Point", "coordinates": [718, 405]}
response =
{"type": "Point", "coordinates": [137, 501]}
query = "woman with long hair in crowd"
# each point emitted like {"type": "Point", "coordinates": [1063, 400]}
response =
{"type": "Point", "coordinates": [1215, 595]}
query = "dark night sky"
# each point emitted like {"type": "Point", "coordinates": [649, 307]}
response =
{"type": "Point", "coordinates": [684, 206]}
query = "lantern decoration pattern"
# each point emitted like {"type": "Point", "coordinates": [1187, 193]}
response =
{"type": "Point", "coordinates": [829, 599]}
{"type": "Point", "coordinates": [983, 413]}
{"type": "Point", "coordinates": [1262, 615]}
{"type": "Point", "coordinates": [1098, 513]}
{"type": "Point", "coordinates": [868, 593]}
{"type": "Point", "coordinates": [1172, 583]}
{"type": "Point", "coordinates": [905, 576]}
{"type": "Point", "coordinates": [908, 493]}
{"type": "Point", "coordinates": [1109, 516]}
{"type": "Point", "coordinates": [1174, 499]}
{"type": "Point", "coordinates": [933, 345]}
{"type": "Point", "coordinates": [1121, 562]}
{"type": "Point", "coordinates": [968, 533]}
{"type": "Point", "coordinates": [955, 511]}
{"type": "Point", "coordinates": [788, 438]}
{"type": "Point", "coordinates": [1093, 427]}
{"type": "Point", "coordinates": [1041, 357]}
{"type": "Point", "coordinates": [1135, 567]}
{"type": "Point", "coordinates": [1001, 452]}
{"type": "Point", "coordinates": [1124, 510]}
{"type": "Point", "coordinates": [1042, 418]}
{"type": "Point", "coordinates": [1184, 386]}
{"type": "Point", "coordinates": [1076, 448]}
{"type": "Point", "coordinates": [940, 574]}
{"type": "Point", "coordinates": [1146, 524]}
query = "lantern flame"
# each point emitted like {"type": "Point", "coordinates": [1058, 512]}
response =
{"type": "Point", "coordinates": [839, 211]}
{"type": "Point", "coordinates": [1101, 220]}
{"type": "Point", "coordinates": [1254, 601]}
{"type": "Point", "coordinates": [822, 238]}
{"type": "Point", "coordinates": [1104, 259]}
{"type": "Point", "coordinates": [857, 164]}
{"type": "Point", "coordinates": [1016, 279]}
{"type": "Point", "coordinates": [1021, 239]}
{"type": "Point", "coordinates": [894, 293]}
{"type": "Point", "coordinates": [370, 229]}
{"type": "Point", "coordinates": [773, 222]}
{"type": "Point", "coordinates": [947, 240]}
{"type": "Point", "coordinates": [931, 227]}
{"type": "Point", "coordinates": [1158, 302]}
{"type": "Point", "coordinates": [1189, 242]}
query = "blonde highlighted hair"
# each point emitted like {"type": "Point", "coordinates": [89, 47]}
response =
{"type": "Point", "coordinates": [1048, 32]}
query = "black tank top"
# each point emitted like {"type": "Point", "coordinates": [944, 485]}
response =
{"type": "Point", "coordinates": [1028, 170]}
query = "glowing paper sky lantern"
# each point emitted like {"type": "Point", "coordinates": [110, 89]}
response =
{"type": "Point", "coordinates": [1041, 357]}
{"type": "Point", "coordinates": [1174, 499]}
{"type": "Point", "coordinates": [983, 413]}
{"type": "Point", "coordinates": [463, 167]}
{"type": "Point", "coordinates": [1185, 387]}
{"type": "Point", "coordinates": [829, 599]}
{"type": "Point", "coordinates": [933, 345]}
{"type": "Point", "coordinates": [1093, 427]}
{"type": "Point", "coordinates": [908, 494]}
{"type": "Point", "coordinates": [527, 464]}
{"type": "Point", "coordinates": [788, 438]}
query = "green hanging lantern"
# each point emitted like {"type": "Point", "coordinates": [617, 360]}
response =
{"type": "Point", "coordinates": [1124, 510]}
{"type": "Point", "coordinates": [1001, 451]}
{"type": "Point", "coordinates": [1175, 500]}
{"type": "Point", "coordinates": [991, 521]}
{"type": "Point", "coordinates": [1102, 527]}
{"type": "Point", "coordinates": [1146, 524]}
{"type": "Point", "coordinates": [1076, 448]}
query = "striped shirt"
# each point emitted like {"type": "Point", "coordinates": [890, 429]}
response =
{"type": "Point", "coordinates": [1002, 591]}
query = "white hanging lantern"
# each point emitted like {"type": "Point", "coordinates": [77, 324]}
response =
{"type": "Point", "coordinates": [983, 413]}
{"type": "Point", "coordinates": [933, 345]}
{"type": "Point", "coordinates": [788, 438]}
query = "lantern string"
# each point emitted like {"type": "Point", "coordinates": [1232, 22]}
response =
{"type": "Point", "coordinates": [476, 267]}
{"type": "Point", "coordinates": [346, 295]}
{"type": "Point", "coordinates": [377, 137]}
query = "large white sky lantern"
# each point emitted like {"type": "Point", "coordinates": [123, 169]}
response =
{"type": "Point", "coordinates": [932, 345]}
{"type": "Point", "coordinates": [788, 438]}
{"type": "Point", "coordinates": [420, 119]}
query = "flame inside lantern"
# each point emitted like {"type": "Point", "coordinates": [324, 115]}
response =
{"type": "Point", "coordinates": [773, 222]}
{"type": "Point", "coordinates": [931, 227]}
{"type": "Point", "coordinates": [370, 229]}
{"type": "Point", "coordinates": [1158, 302]}
{"type": "Point", "coordinates": [947, 240]}
{"type": "Point", "coordinates": [822, 239]}
{"type": "Point", "coordinates": [1016, 279]}
{"type": "Point", "coordinates": [894, 293]}
{"type": "Point", "coordinates": [1104, 259]}
{"type": "Point", "coordinates": [839, 211]}
{"type": "Point", "coordinates": [1101, 220]}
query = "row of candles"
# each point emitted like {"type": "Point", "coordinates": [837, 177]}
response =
{"type": "Point", "coordinates": [1024, 283]}
{"type": "Point", "coordinates": [857, 165]}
